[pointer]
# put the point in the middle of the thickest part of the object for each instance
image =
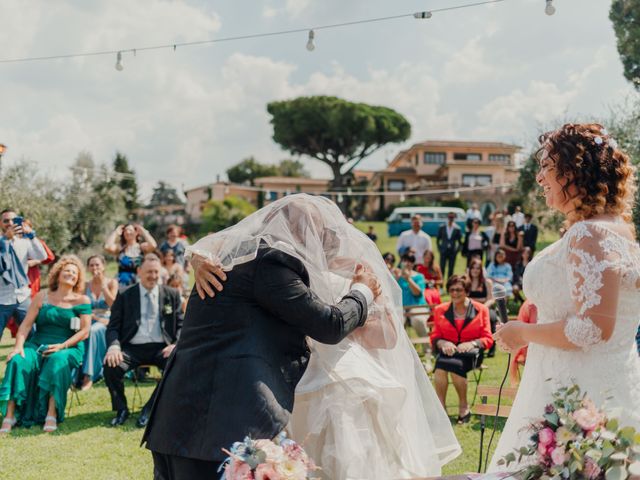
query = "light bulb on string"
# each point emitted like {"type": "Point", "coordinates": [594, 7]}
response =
{"type": "Point", "coordinates": [402, 197]}
{"type": "Point", "coordinates": [422, 15]}
{"type": "Point", "coordinates": [456, 194]}
{"type": "Point", "coordinates": [340, 198]}
{"type": "Point", "coordinates": [549, 9]}
{"type": "Point", "coordinates": [310, 45]}
{"type": "Point", "coordinates": [119, 65]}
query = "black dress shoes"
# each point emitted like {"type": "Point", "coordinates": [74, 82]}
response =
{"type": "Point", "coordinates": [143, 419]}
{"type": "Point", "coordinates": [120, 418]}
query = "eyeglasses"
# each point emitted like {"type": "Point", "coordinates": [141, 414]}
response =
{"type": "Point", "coordinates": [456, 289]}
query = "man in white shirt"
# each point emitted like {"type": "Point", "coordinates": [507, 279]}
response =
{"type": "Point", "coordinates": [144, 327]}
{"type": "Point", "coordinates": [472, 213]}
{"type": "Point", "coordinates": [518, 217]}
{"type": "Point", "coordinates": [18, 245]}
{"type": "Point", "coordinates": [414, 238]}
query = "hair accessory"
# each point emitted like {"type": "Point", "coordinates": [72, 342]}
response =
{"type": "Point", "coordinates": [598, 140]}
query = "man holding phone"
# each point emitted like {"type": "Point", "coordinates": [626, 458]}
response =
{"type": "Point", "coordinates": [18, 245]}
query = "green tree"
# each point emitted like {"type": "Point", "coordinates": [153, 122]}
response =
{"type": "Point", "coordinates": [625, 16]}
{"type": "Point", "coordinates": [93, 203]}
{"type": "Point", "coordinates": [249, 169]}
{"type": "Point", "coordinates": [338, 133]}
{"type": "Point", "coordinates": [37, 198]}
{"type": "Point", "coordinates": [125, 178]}
{"type": "Point", "coordinates": [292, 168]}
{"type": "Point", "coordinates": [220, 214]}
{"type": "Point", "coordinates": [164, 194]}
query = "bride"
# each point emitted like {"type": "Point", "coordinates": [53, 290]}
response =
{"type": "Point", "coordinates": [585, 285]}
{"type": "Point", "coordinates": [365, 408]}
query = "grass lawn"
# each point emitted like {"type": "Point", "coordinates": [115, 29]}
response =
{"type": "Point", "coordinates": [86, 447]}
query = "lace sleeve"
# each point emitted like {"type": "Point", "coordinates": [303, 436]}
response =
{"type": "Point", "coordinates": [594, 276]}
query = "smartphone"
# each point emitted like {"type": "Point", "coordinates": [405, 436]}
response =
{"type": "Point", "coordinates": [41, 349]}
{"type": "Point", "coordinates": [18, 220]}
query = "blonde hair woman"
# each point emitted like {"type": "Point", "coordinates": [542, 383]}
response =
{"type": "Point", "coordinates": [38, 374]}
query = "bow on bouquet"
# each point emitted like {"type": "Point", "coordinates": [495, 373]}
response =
{"type": "Point", "coordinates": [576, 440]}
{"type": "Point", "coordinates": [279, 459]}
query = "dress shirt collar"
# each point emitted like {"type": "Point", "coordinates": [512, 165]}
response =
{"type": "Point", "coordinates": [153, 292]}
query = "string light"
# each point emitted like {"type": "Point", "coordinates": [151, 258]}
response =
{"type": "Point", "coordinates": [402, 197]}
{"type": "Point", "coordinates": [119, 65]}
{"type": "Point", "coordinates": [311, 33]}
{"type": "Point", "coordinates": [549, 9]}
{"type": "Point", "coordinates": [340, 198]}
{"type": "Point", "coordinates": [456, 194]}
{"type": "Point", "coordinates": [310, 45]}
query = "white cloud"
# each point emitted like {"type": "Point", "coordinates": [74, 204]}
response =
{"type": "Point", "coordinates": [469, 64]}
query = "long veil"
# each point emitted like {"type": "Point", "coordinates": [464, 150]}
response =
{"type": "Point", "coordinates": [366, 405]}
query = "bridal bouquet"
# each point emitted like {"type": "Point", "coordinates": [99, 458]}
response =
{"type": "Point", "coordinates": [279, 459]}
{"type": "Point", "coordinates": [576, 440]}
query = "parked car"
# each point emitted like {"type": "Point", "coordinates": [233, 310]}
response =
{"type": "Point", "coordinates": [432, 218]}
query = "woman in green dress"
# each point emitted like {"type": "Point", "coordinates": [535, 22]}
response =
{"type": "Point", "coordinates": [39, 368]}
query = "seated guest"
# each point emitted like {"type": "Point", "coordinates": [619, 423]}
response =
{"type": "Point", "coordinates": [528, 313]}
{"type": "Point", "coordinates": [38, 374]}
{"type": "Point", "coordinates": [518, 273]}
{"type": "Point", "coordinates": [144, 327]}
{"type": "Point", "coordinates": [499, 271]}
{"type": "Point", "coordinates": [461, 332]}
{"type": "Point", "coordinates": [176, 281]}
{"type": "Point", "coordinates": [412, 285]}
{"type": "Point", "coordinates": [481, 290]}
{"type": "Point", "coordinates": [176, 244]}
{"type": "Point", "coordinates": [102, 291]}
{"type": "Point", "coordinates": [433, 279]}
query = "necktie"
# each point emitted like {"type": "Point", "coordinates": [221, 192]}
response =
{"type": "Point", "coordinates": [151, 311]}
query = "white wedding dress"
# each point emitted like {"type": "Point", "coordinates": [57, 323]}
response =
{"type": "Point", "coordinates": [367, 413]}
{"type": "Point", "coordinates": [589, 277]}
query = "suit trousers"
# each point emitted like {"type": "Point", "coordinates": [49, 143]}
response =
{"type": "Point", "coordinates": [171, 467]}
{"type": "Point", "coordinates": [134, 356]}
{"type": "Point", "coordinates": [447, 257]}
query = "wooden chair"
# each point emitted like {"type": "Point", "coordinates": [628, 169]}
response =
{"type": "Point", "coordinates": [486, 409]}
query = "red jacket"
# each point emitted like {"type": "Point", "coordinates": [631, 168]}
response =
{"type": "Point", "coordinates": [475, 327]}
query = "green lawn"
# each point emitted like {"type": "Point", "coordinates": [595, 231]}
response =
{"type": "Point", "coordinates": [86, 447]}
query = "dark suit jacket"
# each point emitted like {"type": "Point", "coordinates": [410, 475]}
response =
{"type": "Point", "coordinates": [446, 244]}
{"type": "Point", "coordinates": [125, 315]}
{"type": "Point", "coordinates": [530, 236]}
{"type": "Point", "coordinates": [240, 356]}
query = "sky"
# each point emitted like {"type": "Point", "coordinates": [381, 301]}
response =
{"type": "Point", "coordinates": [494, 72]}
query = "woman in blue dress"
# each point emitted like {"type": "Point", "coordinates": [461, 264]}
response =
{"type": "Point", "coordinates": [102, 291]}
{"type": "Point", "coordinates": [129, 243]}
{"type": "Point", "coordinates": [38, 374]}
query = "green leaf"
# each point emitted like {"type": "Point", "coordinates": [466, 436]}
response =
{"type": "Point", "coordinates": [613, 424]}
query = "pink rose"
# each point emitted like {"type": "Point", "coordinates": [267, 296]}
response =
{"type": "Point", "coordinates": [265, 471]}
{"type": "Point", "coordinates": [558, 456]}
{"type": "Point", "coordinates": [237, 470]}
{"type": "Point", "coordinates": [546, 437]}
{"type": "Point", "coordinates": [295, 452]}
{"type": "Point", "coordinates": [591, 469]}
{"type": "Point", "coordinates": [586, 419]}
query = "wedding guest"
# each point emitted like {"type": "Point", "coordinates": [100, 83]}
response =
{"type": "Point", "coordinates": [499, 271]}
{"type": "Point", "coordinates": [129, 243]}
{"type": "Point", "coordinates": [527, 313]}
{"type": "Point", "coordinates": [34, 273]}
{"type": "Point", "coordinates": [176, 281]}
{"type": "Point", "coordinates": [518, 217]}
{"type": "Point", "coordinates": [372, 234]}
{"type": "Point", "coordinates": [389, 260]}
{"type": "Point", "coordinates": [38, 373]}
{"type": "Point", "coordinates": [461, 333]}
{"type": "Point", "coordinates": [412, 285]}
{"type": "Point", "coordinates": [481, 290]}
{"type": "Point", "coordinates": [18, 245]}
{"type": "Point", "coordinates": [530, 233]}
{"type": "Point", "coordinates": [177, 244]}
{"type": "Point", "coordinates": [414, 238]}
{"type": "Point", "coordinates": [511, 242]}
{"type": "Point", "coordinates": [472, 212]}
{"type": "Point", "coordinates": [145, 324]}
{"type": "Point", "coordinates": [497, 227]}
{"type": "Point", "coordinates": [449, 242]}
{"type": "Point", "coordinates": [171, 267]}
{"type": "Point", "coordinates": [102, 292]}
{"type": "Point", "coordinates": [518, 273]}
{"type": "Point", "coordinates": [433, 278]}
{"type": "Point", "coordinates": [476, 242]}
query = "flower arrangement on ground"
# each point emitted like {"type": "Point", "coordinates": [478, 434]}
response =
{"type": "Point", "coordinates": [574, 439]}
{"type": "Point", "coordinates": [279, 459]}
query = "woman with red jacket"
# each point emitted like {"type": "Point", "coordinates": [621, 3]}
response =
{"type": "Point", "coordinates": [461, 332]}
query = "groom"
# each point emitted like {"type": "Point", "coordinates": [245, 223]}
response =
{"type": "Point", "coordinates": [239, 357]}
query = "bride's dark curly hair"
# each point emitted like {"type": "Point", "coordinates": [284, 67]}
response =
{"type": "Point", "coordinates": [591, 160]}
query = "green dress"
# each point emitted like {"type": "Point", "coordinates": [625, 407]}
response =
{"type": "Point", "coordinates": [31, 380]}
